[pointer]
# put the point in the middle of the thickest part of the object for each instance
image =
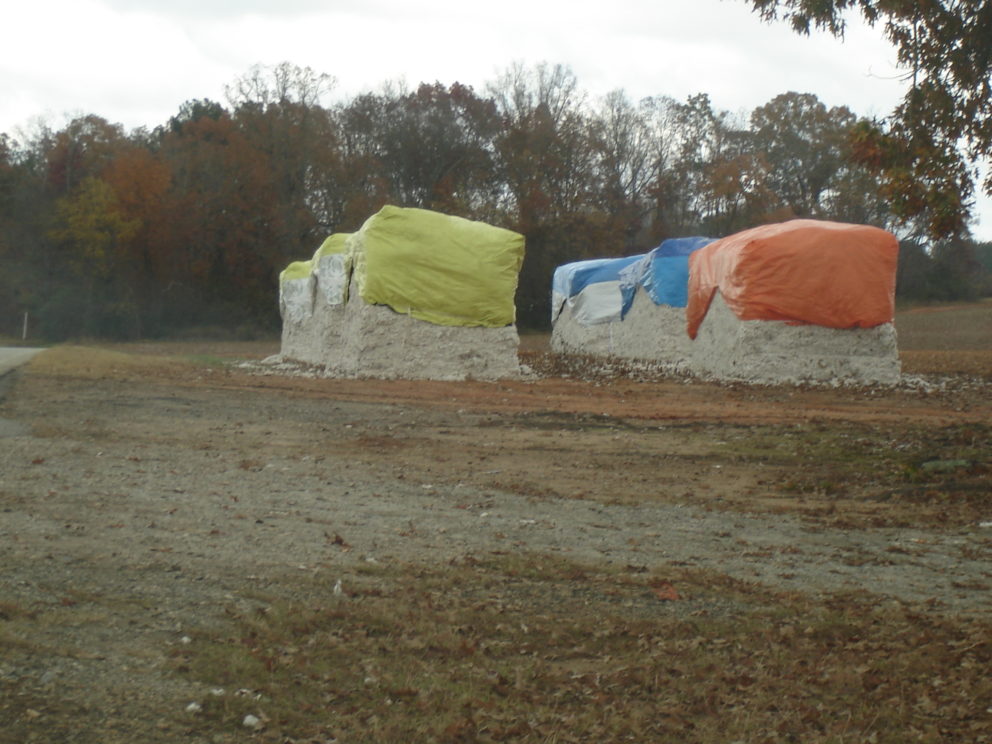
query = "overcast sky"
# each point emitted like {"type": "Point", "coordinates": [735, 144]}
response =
{"type": "Point", "coordinates": [134, 62]}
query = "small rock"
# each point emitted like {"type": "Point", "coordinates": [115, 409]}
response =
{"type": "Point", "coordinates": [251, 721]}
{"type": "Point", "coordinates": [194, 708]}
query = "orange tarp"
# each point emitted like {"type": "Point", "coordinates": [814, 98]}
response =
{"type": "Point", "coordinates": [803, 271]}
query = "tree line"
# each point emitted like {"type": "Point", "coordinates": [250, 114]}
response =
{"type": "Point", "coordinates": [185, 227]}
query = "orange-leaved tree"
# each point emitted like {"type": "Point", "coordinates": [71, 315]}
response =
{"type": "Point", "coordinates": [925, 152]}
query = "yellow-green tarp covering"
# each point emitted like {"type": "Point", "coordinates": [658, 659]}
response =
{"type": "Point", "coordinates": [438, 268]}
{"type": "Point", "coordinates": [335, 243]}
{"type": "Point", "coordinates": [296, 270]}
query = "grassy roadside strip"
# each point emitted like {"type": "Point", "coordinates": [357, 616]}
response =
{"type": "Point", "coordinates": [534, 649]}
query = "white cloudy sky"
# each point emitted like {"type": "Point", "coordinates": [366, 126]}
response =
{"type": "Point", "coordinates": [134, 62]}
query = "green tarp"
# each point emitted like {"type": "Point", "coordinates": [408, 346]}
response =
{"type": "Point", "coordinates": [336, 243]}
{"type": "Point", "coordinates": [296, 270]}
{"type": "Point", "coordinates": [438, 268]}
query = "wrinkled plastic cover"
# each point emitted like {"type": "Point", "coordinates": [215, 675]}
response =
{"type": "Point", "coordinates": [438, 268]}
{"type": "Point", "coordinates": [597, 303]}
{"type": "Point", "coordinates": [590, 288]}
{"type": "Point", "coordinates": [332, 267]}
{"type": "Point", "coordinates": [823, 273]}
{"type": "Point", "coordinates": [571, 278]}
{"type": "Point", "coordinates": [663, 273]}
{"type": "Point", "coordinates": [296, 270]}
{"type": "Point", "coordinates": [296, 291]}
{"type": "Point", "coordinates": [334, 243]}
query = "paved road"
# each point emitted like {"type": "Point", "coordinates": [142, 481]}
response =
{"type": "Point", "coordinates": [14, 356]}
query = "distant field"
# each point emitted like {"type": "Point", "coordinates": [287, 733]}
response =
{"type": "Point", "coordinates": [946, 339]}
{"type": "Point", "coordinates": [946, 328]}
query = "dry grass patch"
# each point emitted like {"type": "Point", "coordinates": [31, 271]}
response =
{"type": "Point", "coordinates": [943, 362]}
{"type": "Point", "coordinates": [875, 475]}
{"type": "Point", "coordinates": [536, 649]}
{"type": "Point", "coordinates": [85, 362]}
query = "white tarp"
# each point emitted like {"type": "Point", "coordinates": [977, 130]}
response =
{"type": "Point", "coordinates": [296, 292]}
{"type": "Point", "coordinates": [333, 274]}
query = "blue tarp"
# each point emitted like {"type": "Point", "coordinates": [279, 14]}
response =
{"type": "Point", "coordinates": [571, 278]}
{"type": "Point", "coordinates": [591, 289]}
{"type": "Point", "coordinates": [602, 290]}
{"type": "Point", "coordinates": [664, 273]}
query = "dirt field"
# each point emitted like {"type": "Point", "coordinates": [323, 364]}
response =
{"type": "Point", "coordinates": [158, 499]}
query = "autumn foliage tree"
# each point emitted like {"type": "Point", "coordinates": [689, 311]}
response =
{"type": "Point", "coordinates": [625, 166]}
{"type": "Point", "coordinates": [924, 152]}
{"type": "Point", "coordinates": [544, 166]}
{"type": "Point", "coordinates": [224, 249]}
{"type": "Point", "coordinates": [95, 232]}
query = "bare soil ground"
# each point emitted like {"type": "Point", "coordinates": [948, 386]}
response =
{"type": "Point", "coordinates": [158, 499]}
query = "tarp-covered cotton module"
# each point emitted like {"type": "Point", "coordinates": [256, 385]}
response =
{"type": "Point", "coordinates": [438, 268]}
{"type": "Point", "coordinates": [830, 274]}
